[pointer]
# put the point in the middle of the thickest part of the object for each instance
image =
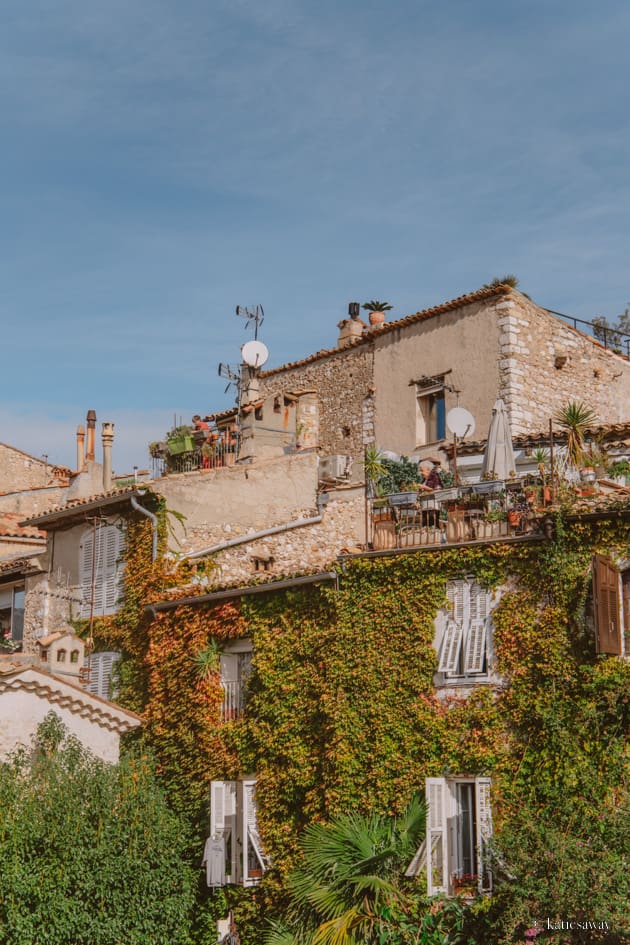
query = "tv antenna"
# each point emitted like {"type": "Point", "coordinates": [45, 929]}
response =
{"type": "Point", "coordinates": [254, 313]}
{"type": "Point", "coordinates": [233, 377]}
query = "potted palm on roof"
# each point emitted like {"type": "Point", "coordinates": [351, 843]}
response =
{"type": "Point", "coordinates": [377, 311]}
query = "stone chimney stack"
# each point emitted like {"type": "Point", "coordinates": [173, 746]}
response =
{"type": "Point", "coordinates": [350, 329]}
{"type": "Point", "coordinates": [107, 436]}
{"type": "Point", "coordinates": [91, 433]}
{"type": "Point", "coordinates": [80, 448]}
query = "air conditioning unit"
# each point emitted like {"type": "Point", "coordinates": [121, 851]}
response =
{"type": "Point", "coordinates": [338, 466]}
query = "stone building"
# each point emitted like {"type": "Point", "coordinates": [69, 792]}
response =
{"type": "Point", "coordinates": [394, 384]}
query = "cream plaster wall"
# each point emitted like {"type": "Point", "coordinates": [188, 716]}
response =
{"type": "Point", "coordinates": [464, 341]}
{"type": "Point", "coordinates": [21, 712]}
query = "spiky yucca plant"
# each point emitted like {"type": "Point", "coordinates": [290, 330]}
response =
{"type": "Point", "coordinates": [575, 418]}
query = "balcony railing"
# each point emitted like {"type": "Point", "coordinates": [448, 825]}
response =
{"type": "Point", "coordinates": [485, 511]}
{"type": "Point", "coordinates": [233, 701]}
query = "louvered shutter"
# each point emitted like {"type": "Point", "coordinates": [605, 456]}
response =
{"type": "Point", "coordinates": [419, 861]}
{"type": "Point", "coordinates": [217, 807]}
{"type": "Point", "coordinates": [250, 825]}
{"type": "Point", "coordinates": [85, 572]}
{"type": "Point", "coordinates": [112, 545]}
{"type": "Point", "coordinates": [101, 667]}
{"type": "Point", "coordinates": [436, 839]}
{"type": "Point", "coordinates": [451, 645]}
{"type": "Point", "coordinates": [483, 815]}
{"type": "Point", "coordinates": [474, 657]}
{"type": "Point", "coordinates": [606, 606]}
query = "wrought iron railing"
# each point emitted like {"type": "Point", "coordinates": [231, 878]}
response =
{"type": "Point", "coordinates": [610, 337]}
{"type": "Point", "coordinates": [233, 700]}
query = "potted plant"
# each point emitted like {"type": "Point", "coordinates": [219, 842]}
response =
{"type": "Point", "coordinates": [575, 418]}
{"type": "Point", "coordinates": [377, 311]}
{"type": "Point", "coordinates": [374, 469]}
{"type": "Point", "coordinates": [180, 440]}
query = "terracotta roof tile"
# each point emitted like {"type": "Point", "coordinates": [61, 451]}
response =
{"type": "Point", "coordinates": [479, 296]}
{"type": "Point", "coordinates": [87, 501]}
{"type": "Point", "coordinates": [9, 527]}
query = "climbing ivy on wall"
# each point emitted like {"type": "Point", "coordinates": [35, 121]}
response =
{"type": "Point", "coordinates": [342, 714]}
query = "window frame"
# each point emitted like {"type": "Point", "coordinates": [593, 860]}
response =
{"type": "Point", "coordinates": [441, 853]}
{"type": "Point", "coordinates": [233, 819]}
{"type": "Point", "coordinates": [430, 419]}
{"type": "Point", "coordinates": [464, 633]}
{"type": "Point", "coordinates": [16, 614]}
{"type": "Point", "coordinates": [235, 667]}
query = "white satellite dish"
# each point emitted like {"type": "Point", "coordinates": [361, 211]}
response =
{"type": "Point", "coordinates": [255, 353]}
{"type": "Point", "coordinates": [460, 422]}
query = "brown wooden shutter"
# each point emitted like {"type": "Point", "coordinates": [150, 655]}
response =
{"type": "Point", "coordinates": [606, 606]}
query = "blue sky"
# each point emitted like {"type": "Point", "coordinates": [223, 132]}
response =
{"type": "Point", "coordinates": [163, 162]}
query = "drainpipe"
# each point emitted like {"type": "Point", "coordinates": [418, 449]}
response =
{"type": "Point", "coordinates": [107, 436]}
{"type": "Point", "coordinates": [254, 536]}
{"type": "Point", "coordinates": [80, 448]}
{"type": "Point", "coordinates": [91, 426]}
{"type": "Point", "coordinates": [154, 522]}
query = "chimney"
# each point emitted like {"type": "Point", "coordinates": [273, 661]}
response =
{"type": "Point", "coordinates": [91, 428]}
{"type": "Point", "coordinates": [350, 328]}
{"type": "Point", "coordinates": [80, 448]}
{"type": "Point", "coordinates": [107, 436]}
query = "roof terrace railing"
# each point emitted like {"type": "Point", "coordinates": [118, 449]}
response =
{"type": "Point", "coordinates": [612, 338]}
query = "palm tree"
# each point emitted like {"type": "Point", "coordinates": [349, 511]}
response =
{"type": "Point", "coordinates": [348, 878]}
{"type": "Point", "coordinates": [575, 418]}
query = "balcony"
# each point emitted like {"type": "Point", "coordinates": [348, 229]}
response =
{"type": "Point", "coordinates": [233, 700]}
{"type": "Point", "coordinates": [484, 511]}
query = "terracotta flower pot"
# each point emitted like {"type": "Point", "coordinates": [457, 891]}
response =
{"type": "Point", "coordinates": [377, 318]}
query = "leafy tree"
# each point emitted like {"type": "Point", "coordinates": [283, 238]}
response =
{"type": "Point", "coordinates": [90, 852]}
{"type": "Point", "coordinates": [615, 334]}
{"type": "Point", "coordinates": [347, 887]}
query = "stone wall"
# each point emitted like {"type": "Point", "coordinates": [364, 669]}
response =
{"type": "Point", "coordinates": [342, 380]}
{"type": "Point", "coordinates": [33, 501]}
{"type": "Point", "coordinates": [49, 605]}
{"type": "Point", "coordinates": [307, 548]}
{"type": "Point", "coordinates": [257, 496]}
{"type": "Point", "coordinates": [544, 363]}
{"type": "Point", "coordinates": [18, 470]}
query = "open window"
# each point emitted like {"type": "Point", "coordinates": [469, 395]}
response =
{"type": "Point", "coordinates": [12, 615]}
{"type": "Point", "coordinates": [233, 853]}
{"type": "Point", "coordinates": [454, 854]}
{"type": "Point", "coordinates": [464, 631]}
{"type": "Point", "coordinates": [101, 570]}
{"type": "Point", "coordinates": [236, 667]}
{"type": "Point", "coordinates": [430, 411]}
{"type": "Point", "coordinates": [607, 611]}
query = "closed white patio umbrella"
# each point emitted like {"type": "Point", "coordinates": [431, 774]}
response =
{"type": "Point", "coordinates": [498, 458]}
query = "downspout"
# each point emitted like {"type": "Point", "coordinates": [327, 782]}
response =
{"type": "Point", "coordinates": [154, 524]}
{"type": "Point", "coordinates": [254, 536]}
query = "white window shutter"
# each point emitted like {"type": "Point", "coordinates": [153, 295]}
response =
{"type": "Point", "coordinates": [112, 546]}
{"type": "Point", "coordinates": [436, 839]}
{"type": "Point", "coordinates": [229, 799]}
{"type": "Point", "coordinates": [484, 831]}
{"type": "Point", "coordinates": [217, 807]}
{"type": "Point", "coordinates": [451, 645]}
{"type": "Point", "coordinates": [101, 668]}
{"type": "Point", "coordinates": [85, 572]}
{"type": "Point", "coordinates": [474, 658]}
{"type": "Point", "coordinates": [457, 594]}
{"type": "Point", "coordinates": [251, 823]}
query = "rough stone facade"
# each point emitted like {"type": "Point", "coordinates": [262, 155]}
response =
{"type": "Point", "coordinates": [342, 380]}
{"type": "Point", "coordinates": [35, 501]}
{"type": "Point", "coordinates": [307, 548]}
{"type": "Point", "coordinates": [50, 603]}
{"type": "Point", "coordinates": [267, 493]}
{"type": "Point", "coordinates": [19, 470]}
{"type": "Point", "coordinates": [545, 362]}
